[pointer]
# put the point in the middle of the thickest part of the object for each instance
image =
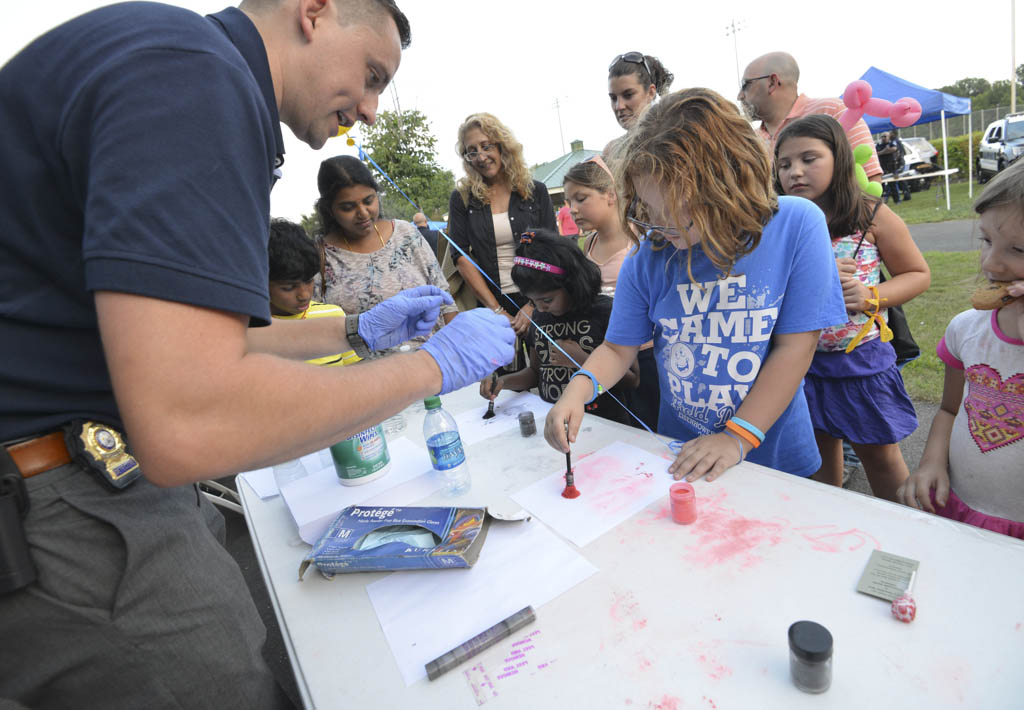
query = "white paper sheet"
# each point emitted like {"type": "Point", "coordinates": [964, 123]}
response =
{"type": "Point", "coordinates": [615, 482]}
{"type": "Point", "coordinates": [426, 613]}
{"type": "Point", "coordinates": [507, 407]}
{"type": "Point", "coordinates": [316, 500]}
{"type": "Point", "coordinates": [262, 481]}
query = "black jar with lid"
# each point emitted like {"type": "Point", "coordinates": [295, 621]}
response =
{"type": "Point", "coordinates": [810, 656]}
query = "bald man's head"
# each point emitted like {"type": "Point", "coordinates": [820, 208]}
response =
{"type": "Point", "coordinates": [779, 63]}
{"type": "Point", "coordinates": [768, 88]}
{"type": "Point", "coordinates": [419, 219]}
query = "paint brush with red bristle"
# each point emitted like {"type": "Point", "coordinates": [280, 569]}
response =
{"type": "Point", "coordinates": [570, 488]}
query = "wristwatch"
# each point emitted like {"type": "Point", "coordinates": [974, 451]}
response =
{"type": "Point", "coordinates": [355, 341]}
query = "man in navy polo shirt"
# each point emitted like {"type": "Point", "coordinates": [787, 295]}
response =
{"type": "Point", "coordinates": [143, 141]}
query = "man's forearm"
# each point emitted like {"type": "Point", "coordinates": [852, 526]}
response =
{"type": "Point", "coordinates": [300, 339]}
{"type": "Point", "coordinates": [198, 404]}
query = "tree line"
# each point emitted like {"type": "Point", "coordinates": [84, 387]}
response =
{"type": "Point", "coordinates": [984, 93]}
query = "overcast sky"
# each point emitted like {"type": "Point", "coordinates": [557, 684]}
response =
{"type": "Point", "coordinates": [517, 59]}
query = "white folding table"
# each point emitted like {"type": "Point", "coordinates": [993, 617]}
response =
{"type": "Point", "coordinates": [684, 616]}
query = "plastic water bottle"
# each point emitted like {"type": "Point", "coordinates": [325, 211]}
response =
{"type": "Point", "coordinates": [445, 447]}
{"type": "Point", "coordinates": [287, 472]}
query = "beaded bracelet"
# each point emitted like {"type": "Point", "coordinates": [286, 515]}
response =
{"type": "Point", "coordinates": [598, 389]}
{"type": "Point", "coordinates": [743, 433]}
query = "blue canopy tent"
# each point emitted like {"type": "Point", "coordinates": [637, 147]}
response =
{"type": "Point", "coordinates": [935, 106]}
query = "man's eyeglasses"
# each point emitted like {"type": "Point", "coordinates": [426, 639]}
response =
{"type": "Point", "coordinates": [633, 58]}
{"type": "Point", "coordinates": [747, 82]}
{"type": "Point", "coordinates": [484, 148]}
{"type": "Point", "coordinates": [651, 231]}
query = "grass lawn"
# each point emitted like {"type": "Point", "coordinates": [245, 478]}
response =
{"type": "Point", "coordinates": [924, 207]}
{"type": "Point", "coordinates": [955, 275]}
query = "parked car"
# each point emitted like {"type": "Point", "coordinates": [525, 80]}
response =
{"type": "Point", "coordinates": [919, 150]}
{"type": "Point", "coordinates": [918, 155]}
{"type": "Point", "coordinates": [1001, 144]}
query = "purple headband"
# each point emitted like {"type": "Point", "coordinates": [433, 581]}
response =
{"type": "Point", "coordinates": [538, 265]}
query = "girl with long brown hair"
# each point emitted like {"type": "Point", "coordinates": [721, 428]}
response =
{"type": "Point", "coordinates": [854, 390]}
{"type": "Point", "coordinates": [733, 283]}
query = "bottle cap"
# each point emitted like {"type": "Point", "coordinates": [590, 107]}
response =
{"type": "Point", "coordinates": [432, 402]}
{"type": "Point", "coordinates": [810, 641]}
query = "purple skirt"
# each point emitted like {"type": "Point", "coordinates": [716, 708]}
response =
{"type": "Point", "coordinates": [860, 397]}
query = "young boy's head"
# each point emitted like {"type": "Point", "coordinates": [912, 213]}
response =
{"type": "Point", "coordinates": [294, 262]}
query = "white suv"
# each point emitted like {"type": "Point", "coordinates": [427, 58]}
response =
{"type": "Point", "coordinates": [1001, 144]}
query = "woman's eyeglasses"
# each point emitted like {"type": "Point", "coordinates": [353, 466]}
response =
{"type": "Point", "coordinates": [652, 231]}
{"type": "Point", "coordinates": [633, 58]}
{"type": "Point", "coordinates": [472, 155]}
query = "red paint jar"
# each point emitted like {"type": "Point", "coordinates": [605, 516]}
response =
{"type": "Point", "coordinates": [684, 503]}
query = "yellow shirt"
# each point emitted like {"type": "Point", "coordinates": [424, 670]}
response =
{"type": "Point", "coordinates": [325, 310]}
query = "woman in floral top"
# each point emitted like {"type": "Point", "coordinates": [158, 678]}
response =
{"type": "Point", "coordinates": [367, 259]}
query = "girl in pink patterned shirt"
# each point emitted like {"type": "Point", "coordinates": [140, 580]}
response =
{"type": "Point", "coordinates": [972, 469]}
{"type": "Point", "coordinates": [854, 390]}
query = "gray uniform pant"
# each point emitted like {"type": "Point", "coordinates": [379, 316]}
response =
{"type": "Point", "coordinates": [137, 604]}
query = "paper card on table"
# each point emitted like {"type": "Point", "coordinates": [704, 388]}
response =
{"type": "Point", "coordinates": [425, 614]}
{"type": "Point", "coordinates": [316, 500]}
{"type": "Point", "coordinates": [615, 482]}
{"type": "Point", "coordinates": [887, 575]}
{"type": "Point", "coordinates": [262, 481]}
{"type": "Point", "coordinates": [507, 407]}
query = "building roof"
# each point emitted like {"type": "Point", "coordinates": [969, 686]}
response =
{"type": "Point", "coordinates": [552, 173]}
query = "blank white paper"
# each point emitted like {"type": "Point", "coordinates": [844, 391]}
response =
{"type": "Point", "coordinates": [426, 613]}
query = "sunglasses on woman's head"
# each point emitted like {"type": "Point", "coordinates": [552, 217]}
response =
{"type": "Point", "coordinates": [633, 58]}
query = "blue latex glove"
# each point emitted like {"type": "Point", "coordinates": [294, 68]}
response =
{"type": "Point", "coordinates": [471, 347]}
{"type": "Point", "coordinates": [405, 315]}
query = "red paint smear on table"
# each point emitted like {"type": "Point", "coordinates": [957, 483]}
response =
{"type": "Point", "coordinates": [837, 541]}
{"type": "Point", "coordinates": [710, 702]}
{"type": "Point", "coordinates": [626, 610]}
{"type": "Point", "coordinates": [723, 535]}
{"type": "Point", "coordinates": [667, 702]}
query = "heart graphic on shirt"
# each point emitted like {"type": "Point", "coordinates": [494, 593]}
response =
{"type": "Point", "coordinates": [994, 406]}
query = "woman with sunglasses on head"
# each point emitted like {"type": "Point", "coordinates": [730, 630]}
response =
{"type": "Point", "coordinates": [490, 209]}
{"type": "Point", "coordinates": [365, 259]}
{"type": "Point", "coordinates": [635, 80]}
{"type": "Point", "coordinates": [735, 283]}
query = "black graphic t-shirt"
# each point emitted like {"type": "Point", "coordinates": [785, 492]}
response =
{"type": "Point", "coordinates": [585, 329]}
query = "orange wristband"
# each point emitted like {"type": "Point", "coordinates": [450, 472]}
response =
{"type": "Point", "coordinates": [741, 432]}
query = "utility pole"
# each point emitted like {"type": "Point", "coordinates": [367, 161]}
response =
{"type": "Point", "coordinates": [1013, 56]}
{"type": "Point", "coordinates": [733, 28]}
{"type": "Point", "coordinates": [561, 135]}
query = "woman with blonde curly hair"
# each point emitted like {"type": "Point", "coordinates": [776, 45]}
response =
{"type": "Point", "coordinates": [733, 282]}
{"type": "Point", "coordinates": [490, 209]}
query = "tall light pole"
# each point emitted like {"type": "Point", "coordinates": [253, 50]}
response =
{"type": "Point", "coordinates": [733, 28]}
{"type": "Point", "coordinates": [1013, 56]}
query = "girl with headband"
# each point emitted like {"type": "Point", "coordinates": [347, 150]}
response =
{"type": "Point", "coordinates": [565, 290]}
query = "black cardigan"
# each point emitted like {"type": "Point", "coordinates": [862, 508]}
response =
{"type": "Point", "coordinates": [472, 226]}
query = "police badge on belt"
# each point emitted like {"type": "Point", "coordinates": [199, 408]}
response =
{"type": "Point", "coordinates": [102, 450]}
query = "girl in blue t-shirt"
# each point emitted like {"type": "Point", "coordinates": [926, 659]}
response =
{"type": "Point", "coordinates": [565, 290]}
{"type": "Point", "coordinates": [733, 283]}
{"type": "Point", "coordinates": [854, 390]}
